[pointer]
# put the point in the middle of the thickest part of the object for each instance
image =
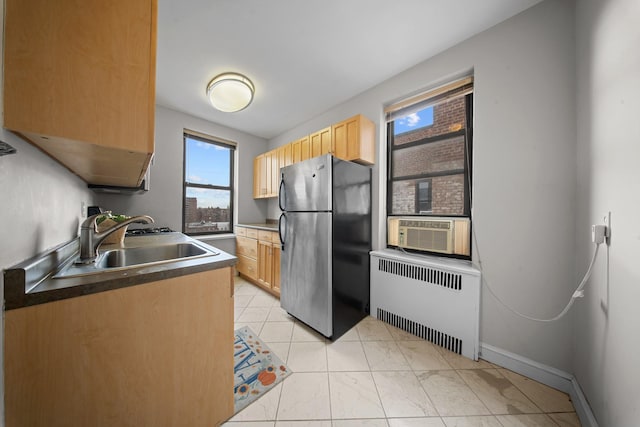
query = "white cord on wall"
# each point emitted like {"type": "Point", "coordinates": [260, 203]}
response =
{"type": "Point", "coordinates": [578, 293]}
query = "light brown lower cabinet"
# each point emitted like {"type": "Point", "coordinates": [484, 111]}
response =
{"type": "Point", "coordinates": [156, 354]}
{"type": "Point", "coordinates": [259, 258]}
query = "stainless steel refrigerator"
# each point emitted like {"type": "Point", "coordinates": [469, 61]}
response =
{"type": "Point", "coordinates": [325, 233]}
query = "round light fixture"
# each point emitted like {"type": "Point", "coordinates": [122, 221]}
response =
{"type": "Point", "coordinates": [230, 92]}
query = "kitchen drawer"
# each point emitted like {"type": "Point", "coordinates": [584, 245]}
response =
{"type": "Point", "coordinates": [247, 247]}
{"type": "Point", "coordinates": [268, 236]}
{"type": "Point", "coordinates": [247, 266]}
{"type": "Point", "coordinates": [241, 231]}
{"type": "Point", "coordinates": [252, 233]}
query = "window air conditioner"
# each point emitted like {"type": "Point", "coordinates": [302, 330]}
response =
{"type": "Point", "coordinates": [442, 235]}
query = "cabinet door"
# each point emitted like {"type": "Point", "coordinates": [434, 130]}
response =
{"type": "Point", "coordinates": [305, 148]}
{"type": "Point", "coordinates": [259, 171]}
{"type": "Point", "coordinates": [274, 174]}
{"type": "Point", "coordinates": [321, 142]}
{"type": "Point", "coordinates": [353, 139]}
{"type": "Point", "coordinates": [79, 82]}
{"type": "Point", "coordinates": [296, 152]}
{"type": "Point", "coordinates": [275, 284]}
{"type": "Point", "coordinates": [265, 263]}
{"type": "Point", "coordinates": [117, 358]}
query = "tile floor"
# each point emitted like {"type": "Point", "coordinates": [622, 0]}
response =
{"type": "Point", "coordinates": [377, 375]}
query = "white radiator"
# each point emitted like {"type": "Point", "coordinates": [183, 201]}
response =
{"type": "Point", "coordinates": [437, 299]}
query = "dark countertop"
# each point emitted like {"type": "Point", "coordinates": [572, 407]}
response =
{"type": "Point", "coordinates": [262, 226]}
{"type": "Point", "coordinates": [31, 282]}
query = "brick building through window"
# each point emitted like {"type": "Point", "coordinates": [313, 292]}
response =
{"type": "Point", "coordinates": [429, 155]}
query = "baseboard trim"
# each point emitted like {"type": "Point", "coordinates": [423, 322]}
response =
{"type": "Point", "coordinates": [547, 375]}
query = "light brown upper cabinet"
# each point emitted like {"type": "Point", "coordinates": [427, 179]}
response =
{"type": "Point", "coordinates": [79, 82]}
{"type": "Point", "coordinates": [305, 148]}
{"type": "Point", "coordinates": [259, 177]}
{"type": "Point", "coordinates": [321, 142]}
{"type": "Point", "coordinates": [354, 139]}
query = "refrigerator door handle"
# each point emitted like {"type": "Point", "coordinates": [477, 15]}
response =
{"type": "Point", "coordinates": [281, 193]}
{"type": "Point", "coordinates": [282, 219]}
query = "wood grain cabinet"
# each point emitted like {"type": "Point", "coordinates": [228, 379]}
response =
{"type": "Point", "coordinates": [155, 354]}
{"type": "Point", "coordinates": [79, 83]}
{"type": "Point", "coordinates": [321, 142]}
{"type": "Point", "coordinates": [354, 139]}
{"type": "Point", "coordinates": [258, 253]}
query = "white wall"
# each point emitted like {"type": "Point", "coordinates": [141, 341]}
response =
{"type": "Point", "coordinates": [524, 168]}
{"type": "Point", "coordinates": [163, 201]}
{"type": "Point", "coordinates": [607, 348]}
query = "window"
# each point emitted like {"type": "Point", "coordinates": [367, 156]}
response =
{"type": "Point", "coordinates": [423, 197]}
{"type": "Point", "coordinates": [208, 185]}
{"type": "Point", "coordinates": [429, 139]}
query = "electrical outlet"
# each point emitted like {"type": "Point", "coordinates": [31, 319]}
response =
{"type": "Point", "coordinates": [83, 209]}
{"type": "Point", "coordinates": [607, 223]}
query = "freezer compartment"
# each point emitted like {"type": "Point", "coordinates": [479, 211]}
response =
{"type": "Point", "coordinates": [306, 266]}
{"type": "Point", "coordinates": [306, 186]}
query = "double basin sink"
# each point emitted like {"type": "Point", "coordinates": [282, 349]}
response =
{"type": "Point", "coordinates": [149, 252]}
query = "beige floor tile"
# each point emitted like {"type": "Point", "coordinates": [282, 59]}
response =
{"type": "Point", "coordinates": [546, 398]}
{"type": "Point", "coordinates": [305, 396]}
{"type": "Point", "coordinates": [450, 394]}
{"type": "Point", "coordinates": [416, 422]}
{"type": "Point", "coordinates": [237, 311]}
{"type": "Point", "coordinates": [361, 423]}
{"type": "Point", "coordinates": [497, 392]}
{"type": "Point", "coordinates": [354, 395]}
{"type": "Point", "coordinates": [262, 409]}
{"type": "Point", "coordinates": [265, 300]}
{"type": "Point", "coordinates": [254, 314]}
{"type": "Point", "coordinates": [246, 289]}
{"type": "Point", "coordinates": [278, 314]}
{"type": "Point", "coordinates": [302, 333]}
{"type": "Point", "coordinates": [321, 423]}
{"type": "Point", "coordinates": [350, 335]}
{"type": "Point", "coordinates": [276, 331]}
{"type": "Point", "coordinates": [346, 356]}
{"type": "Point", "coordinates": [241, 301]}
{"type": "Point", "coordinates": [401, 335]}
{"type": "Point", "coordinates": [402, 395]}
{"type": "Point", "coordinates": [372, 329]}
{"type": "Point", "coordinates": [307, 357]}
{"type": "Point", "coordinates": [461, 362]}
{"type": "Point", "coordinates": [422, 355]}
{"type": "Point", "coordinates": [473, 421]}
{"type": "Point", "coordinates": [527, 420]}
{"type": "Point", "coordinates": [385, 356]}
{"type": "Point", "coordinates": [566, 419]}
{"type": "Point", "coordinates": [254, 326]}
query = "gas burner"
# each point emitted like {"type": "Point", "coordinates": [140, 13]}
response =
{"type": "Point", "coordinates": [154, 230]}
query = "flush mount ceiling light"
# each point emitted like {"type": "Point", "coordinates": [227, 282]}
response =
{"type": "Point", "coordinates": [230, 92]}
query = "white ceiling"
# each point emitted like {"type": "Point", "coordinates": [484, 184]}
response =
{"type": "Point", "coordinates": [303, 56]}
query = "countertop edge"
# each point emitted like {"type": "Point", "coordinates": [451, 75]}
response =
{"type": "Point", "coordinates": [265, 227]}
{"type": "Point", "coordinates": [48, 289]}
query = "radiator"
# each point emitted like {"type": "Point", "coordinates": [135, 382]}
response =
{"type": "Point", "coordinates": [437, 299]}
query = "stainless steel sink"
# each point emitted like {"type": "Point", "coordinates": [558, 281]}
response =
{"type": "Point", "coordinates": [145, 255]}
{"type": "Point", "coordinates": [136, 257]}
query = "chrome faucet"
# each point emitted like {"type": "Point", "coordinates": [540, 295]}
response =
{"type": "Point", "coordinates": [90, 237]}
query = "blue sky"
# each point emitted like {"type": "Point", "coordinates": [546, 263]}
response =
{"type": "Point", "coordinates": [207, 164]}
{"type": "Point", "coordinates": [414, 121]}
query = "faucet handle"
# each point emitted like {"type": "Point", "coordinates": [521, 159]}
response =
{"type": "Point", "coordinates": [91, 222]}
